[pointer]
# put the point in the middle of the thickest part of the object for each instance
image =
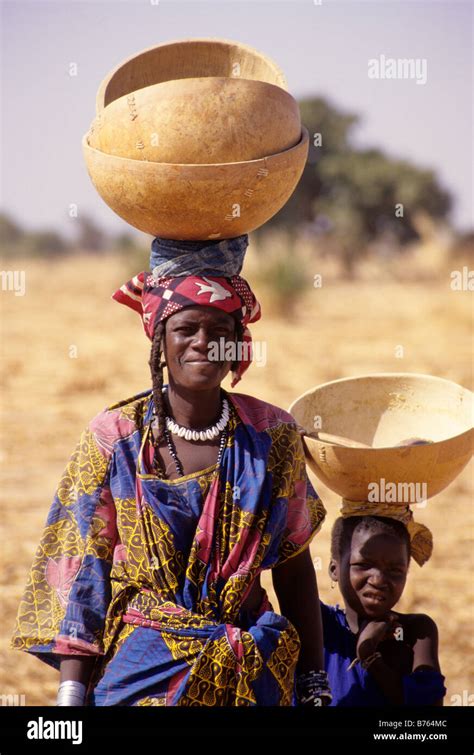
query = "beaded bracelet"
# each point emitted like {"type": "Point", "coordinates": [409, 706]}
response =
{"type": "Point", "coordinates": [311, 687]}
{"type": "Point", "coordinates": [366, 662]}
{"type": "Point", "coordinates": [370, 659]}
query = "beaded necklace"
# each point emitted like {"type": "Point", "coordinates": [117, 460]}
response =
{"type": "Point", "coordinates": [224, 433]}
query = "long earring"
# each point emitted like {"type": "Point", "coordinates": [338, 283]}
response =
{"type": "Point", "coordinates": [333, 584]}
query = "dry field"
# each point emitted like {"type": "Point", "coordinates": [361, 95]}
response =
{"type": "Point", "coordinates": [342, 329]}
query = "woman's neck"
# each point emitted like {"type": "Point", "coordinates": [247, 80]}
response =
{"type": "Point", "coordinates": [194, 409]}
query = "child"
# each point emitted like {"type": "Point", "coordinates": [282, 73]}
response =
{"type": "Point", "coordinates": [374, 655]}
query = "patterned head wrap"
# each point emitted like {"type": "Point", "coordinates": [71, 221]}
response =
{"type": "Point", "coordinates": [156, 298]}
{"type": "Point", "coordinates": [421, 538]}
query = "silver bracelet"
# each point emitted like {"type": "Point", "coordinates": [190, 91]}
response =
{"type": "Point", "coordinates": [71, 693]}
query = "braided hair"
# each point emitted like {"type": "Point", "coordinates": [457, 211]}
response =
{"type": "Point", "coordinates": [156, 367]}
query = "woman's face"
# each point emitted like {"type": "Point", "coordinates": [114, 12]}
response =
{"type": "Point", "coordinates": [191, 337]}
{"type": "Point", "coordinates": [372, 575]}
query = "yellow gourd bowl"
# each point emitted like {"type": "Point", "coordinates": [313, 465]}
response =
{"type": "Point", "coordinates": [199, 120]}
{"type": "Point", "coordinates": [188, 58]}
{"type": "Point", "coordinates": [381, 411]}
{"type": "Point", "coordinates": [196, 201]}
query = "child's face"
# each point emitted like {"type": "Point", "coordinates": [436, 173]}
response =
{"type": "Point", "coordinates": [373, 574]}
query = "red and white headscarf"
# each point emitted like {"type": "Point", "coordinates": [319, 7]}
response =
{"type": "Point", "coordinates": [155, 299]}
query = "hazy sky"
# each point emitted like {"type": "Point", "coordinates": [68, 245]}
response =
{"type": "Point", "coordinates": [323, 49]}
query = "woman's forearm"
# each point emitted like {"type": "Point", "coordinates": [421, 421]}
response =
{"type": "Point", "coordinates": [297, 592]}
{"type": "Point", "coordinates": [75, 674]}
{"type": "Point", "coordinates": [77, 668]}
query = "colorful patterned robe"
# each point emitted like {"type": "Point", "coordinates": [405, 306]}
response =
{"type": "Point", "coordinates": [150, 575]}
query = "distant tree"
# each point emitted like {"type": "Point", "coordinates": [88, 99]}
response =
{"type": "Point", "coordinates": [124, 242]}
{"type": "Point", "coordinates": [385, 193]}
{"type": "Point", "coordinates": [10, 231]}
{"type": "Point", "coordinates": [353, 195]}
{"type": "Point", "coordinates": [47, 243]}
{"type": "Point", "coordinates": [463, 246]}
{"type": "Point", "coordinates": [90, 236]}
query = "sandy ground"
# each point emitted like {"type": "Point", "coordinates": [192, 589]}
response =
{"type": "Point", "coordinates": [341, 329]}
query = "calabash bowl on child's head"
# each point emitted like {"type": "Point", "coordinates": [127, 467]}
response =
{"type": "Point", "coordinates": [416, 429]}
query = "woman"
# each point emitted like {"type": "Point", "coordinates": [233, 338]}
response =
{"type": "Point", "coordinates": [145, 588]}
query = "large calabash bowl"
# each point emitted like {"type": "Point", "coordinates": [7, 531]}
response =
{"type": "Point", "coordinates": [196, 201]}
{"type": "Point", "coordinates": [199, 120]}
{"type": "Point", "coordinates": [189, 58]}
{"type": "Point", "coordinates": [381, 411]}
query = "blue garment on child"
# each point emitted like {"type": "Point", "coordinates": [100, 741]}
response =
{"type": "Point", "coordinates": [357, 687]}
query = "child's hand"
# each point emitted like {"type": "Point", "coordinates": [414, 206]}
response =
{"type": "Point", "coordinates": [373, 633]}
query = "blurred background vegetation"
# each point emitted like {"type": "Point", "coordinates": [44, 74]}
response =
{"type": "Point", "coordinates": [355, 210]}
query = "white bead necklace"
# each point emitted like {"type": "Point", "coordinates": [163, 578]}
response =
{"type": "Point", "coordinates": [208, 433]}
